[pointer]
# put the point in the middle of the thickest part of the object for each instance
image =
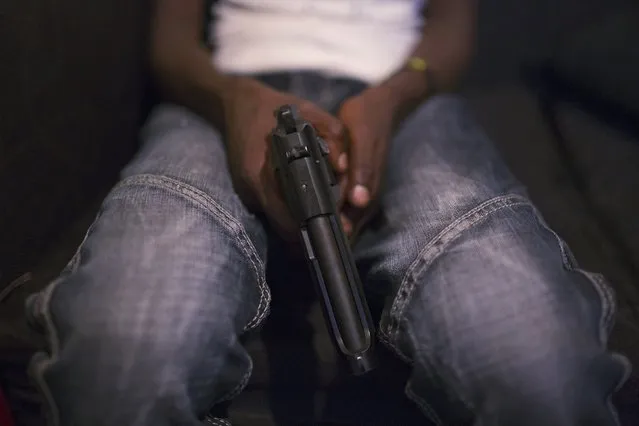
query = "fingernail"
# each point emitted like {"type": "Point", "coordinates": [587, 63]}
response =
{"type": "Point", "coordinates": [342, 161]}
{"type": "Point", "coordinates": [346, 224]}
{"type": "Point", "coordinates": [360, 196]}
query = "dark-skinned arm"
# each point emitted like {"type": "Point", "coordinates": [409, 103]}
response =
{"type": "Point", "coordinates": [447, 46]}
{"type": "Point", "coordinates": [181, 65]}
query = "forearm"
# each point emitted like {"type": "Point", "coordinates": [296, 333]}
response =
{"type": "Point", "coordinates": [180, 64]}
{"type": "Point", "coordinates": [446, 46]}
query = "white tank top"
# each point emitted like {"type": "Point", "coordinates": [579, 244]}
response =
{"type": "Point", "coordinates": [362, 39]}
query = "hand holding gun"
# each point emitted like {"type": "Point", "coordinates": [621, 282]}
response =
{"type": "Point", "coordinates": [310, 190]}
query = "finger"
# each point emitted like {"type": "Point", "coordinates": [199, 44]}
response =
{"type": "Point", "coordinates": [332, 131]}
{"type": "Point", "coordinates": [351, 218]}
{"type": "Point", "coordinates": [337, 156]}
{"type": "Point", "coordinates": [326, 124]}
{"type": "Point", "coordinates": [342, 182]}
{"type": "Point", "coordinates": [363, 168]}
{"type": "Point", "coordinates": [357, 218]}
{"type": "Point", "coordinates": [347, 225]}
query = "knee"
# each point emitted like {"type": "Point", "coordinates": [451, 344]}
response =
{"type": "Point", "coordinates": [140, 352]}
{"type": "Point", "coordinates": [518, 342]}
{"type": "Point", "coordinates": [498, 294]}
{"type": "Point", "coordinates": [143, 332]}
{"type": "Point", "coordinates": [127, 318]}
{"type": "Point", "coordinates": [529, 370]}
{"type": "Point", "coordinates": [118, 358]}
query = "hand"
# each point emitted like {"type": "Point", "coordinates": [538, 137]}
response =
{"type": "Point", "coordinates": [370, 119]}
{"type": "Point", "coordinates": [249, 108]}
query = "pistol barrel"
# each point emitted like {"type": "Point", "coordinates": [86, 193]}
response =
{"type": "Point", "coordinates": [299, 158]}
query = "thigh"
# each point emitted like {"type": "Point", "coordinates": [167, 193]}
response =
{"type": "Point", "coordinates": [443, 174]}
{"type": "Point", "coordinates": [456, 223]}
{"type": "Point", "coordinates": [169, 274]}
{"type": "Point", "coordinates": [175, 220]}
{"type": "Point", "coordinates": [480, 293]}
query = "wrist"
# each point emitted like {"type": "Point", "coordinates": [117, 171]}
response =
{"type": "Point", "coordinates": [229, 87]}
{"type": "Point", "coordinates": [234, 87]}
{"type": "Point", "coordinates": [225, 92]}
{"type": "Point", "coordinates": [406, 90]}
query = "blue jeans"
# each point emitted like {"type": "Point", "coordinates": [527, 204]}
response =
{"type": "Point", "coordinates": [484, 300]}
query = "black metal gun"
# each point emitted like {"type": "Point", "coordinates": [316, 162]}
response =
{"type": "Point", "coordinates": [310, 190]}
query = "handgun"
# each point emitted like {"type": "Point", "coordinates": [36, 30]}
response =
{"type": "Point", "coordinates": [310, 189]}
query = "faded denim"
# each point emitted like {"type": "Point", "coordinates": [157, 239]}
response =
{"type": "Point", "coordinates": [484, 300]}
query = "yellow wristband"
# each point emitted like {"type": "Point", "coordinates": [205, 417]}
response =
{"type": "Point", "coordinates": [416, 63]}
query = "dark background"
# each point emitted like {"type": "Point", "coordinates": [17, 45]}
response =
{"type": "Point", "coordinates": [553, 83]}
{"type": "Point", "coordinates": [513, 34]}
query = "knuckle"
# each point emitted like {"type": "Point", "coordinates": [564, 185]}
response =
{"type": "Point", "coordinates": [306, 107]}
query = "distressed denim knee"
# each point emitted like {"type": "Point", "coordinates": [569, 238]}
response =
{"type": "Point", "coordinates": [500, 324]}
{"type": "Point", "coordinates": [143, 325]}
{"type": "Point", "coordinates": [503, 328]}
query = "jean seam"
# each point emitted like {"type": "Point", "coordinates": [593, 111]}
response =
{"type": "Point", "coordinates": [238, 388]}
{"type": "Point", "coordinates": [230, 224]}
{"type": "Point", "coordinates": [235, 228]}
{"type": "Point", "coordinates": [608, 307]}
{"type": "Point", "coordinates": [43, 317]}
{"type": "Point", "coordinates": [226, 219]}
{"type": "Point", "coordinates": [428, 254]}
{"type": "Point", "coordinates": [214, 421]}
{"type": "Point", "coordinates": [599, 283]}
{"type": "Point", "coordinates": [389, 333]}
{"type": "Point", "coordinates": [426, 408]}
{"type": "Point", "coordinates": [428, 411]}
